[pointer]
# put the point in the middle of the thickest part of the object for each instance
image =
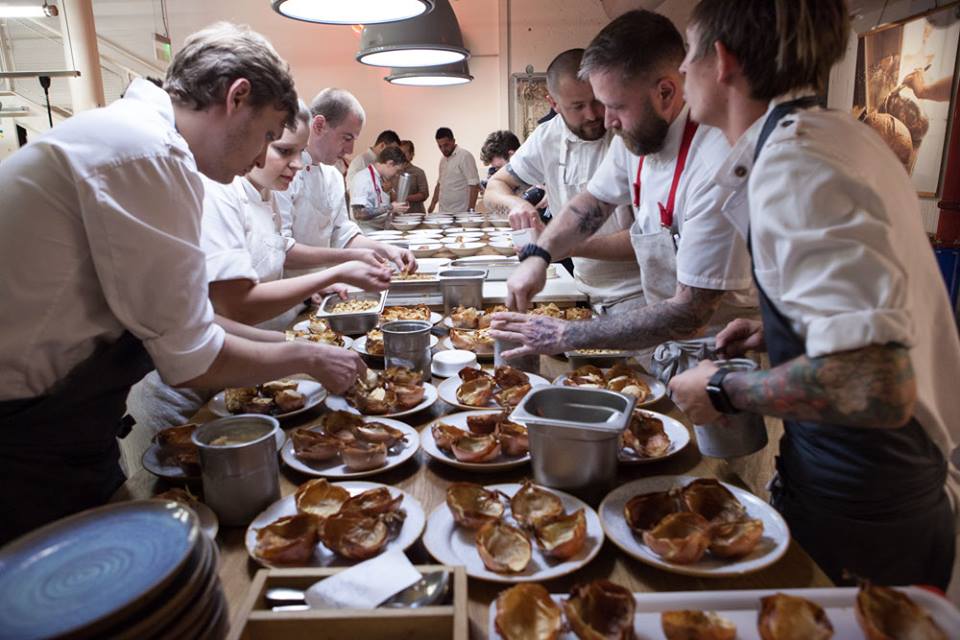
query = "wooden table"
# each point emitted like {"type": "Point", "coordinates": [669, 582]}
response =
{"type": "Point", "coordinates": [427, 481]}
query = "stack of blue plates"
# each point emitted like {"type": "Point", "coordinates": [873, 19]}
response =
{"type": "Point", "coordinates": [128, 570]}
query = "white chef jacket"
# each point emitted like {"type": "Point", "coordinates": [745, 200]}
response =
{"type": "Point", "coordinates": [458, 173]}
{"type": "Point", "coordinates": [710, 253]}
{"type": "Point", "coordinates": [839, 248]}
{"type": "Point", "coordinates": [556, 157]}
{"type": "Point", "coordinates": [100, 232]}
{"type": "Point", "coordinates": [359, 163]}
{"type": "Point", "coordinates": [313, 209]}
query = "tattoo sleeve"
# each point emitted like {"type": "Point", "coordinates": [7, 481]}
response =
{"type": "Point", "coordinates": [869, 387]}
{"type": "Point", "coordinates": [680, 317]}
{"type": "Point", "coordinates": [361, 212]}
{"type": "Point", "coordinates": [513, 174]}
{"type": "Point", "coordinates": [589, 218]}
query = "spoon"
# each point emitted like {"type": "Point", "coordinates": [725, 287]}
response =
{"type": "Point", "coordinates": [431, 588]}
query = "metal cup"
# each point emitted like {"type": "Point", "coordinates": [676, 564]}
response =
{"type": "Point", "coordinates": [406, 343]}
{"type": "Point", "coordinates": [529, 363]}
{"type": "Point", "coordinates": [461, 288]}
{"type": "Point", "coordinates": [736, 434]}
{"type": "Point", "coordinates": [241, 477]}
{"type": "Point", "coordinates": [403, 186]}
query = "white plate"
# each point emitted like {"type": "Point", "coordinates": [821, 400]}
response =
{"type": "Point", "coordinates": [460, 420]}
{"type": "Point", "coordinates": [304, 325]}
{"type": "Point", "coordinates": [334, 468]}
{"type": "Point", "coordinates": [678, 434]}
{"type": "Point", "coordinates": [360, 345]}
{"type": "Point", "coordinates": [657, 389]}
{"type": "Point", "coordinates": [448, 391]}
{"type": "Point", "coordinates": [776, 535]}
{"type": "Point", "coordinates": [339, 403]}
{"type": "Point", "coordinates": [154, 461]}
{"type": "Point", "coordinates": [314, 392]}
{"type": "Point", "coordinates": [323, 557]}
{"type": "Point", "coordinates": [447, 344]}
{"type": "Point", "coordinates": [453, 545]}
{"type": "Point", "coordinates": [743, 607]}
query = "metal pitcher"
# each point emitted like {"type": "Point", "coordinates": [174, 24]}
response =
{"type": "Point", "coordinates": [736, 434]}
{"type": "Point", "coordinates": [403, 186]}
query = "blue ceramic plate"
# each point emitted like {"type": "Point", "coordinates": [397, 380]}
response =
{"type": "Point", "coordinates": [81, 570]}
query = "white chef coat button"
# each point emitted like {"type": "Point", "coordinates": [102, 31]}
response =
{"type": "Point", "coordinates": [739, 171]}
{"type": "Point", "coordinates": [786, 123]}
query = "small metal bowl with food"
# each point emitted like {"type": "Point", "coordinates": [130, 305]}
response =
{"type": "Point", "coordinates": [356, 315]}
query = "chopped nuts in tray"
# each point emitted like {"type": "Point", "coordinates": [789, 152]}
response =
{"type": "Point", "coordinates": [355, 306]}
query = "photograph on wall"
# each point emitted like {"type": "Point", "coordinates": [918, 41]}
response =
{"type": "Point", "coordinates": [528, 103]}
{"type": "Point", "coordinates": [905, 78]}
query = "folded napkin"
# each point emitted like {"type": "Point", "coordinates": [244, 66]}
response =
{"type": "Point", "coordinates": [364, 585]}
{"type": "Point", "coordinates": [673, 358]}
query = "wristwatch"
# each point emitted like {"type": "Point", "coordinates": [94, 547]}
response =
{"type": "Point", "coordinates": [529, 250]}
{"type": "Point", "coordinates": [718, 397]}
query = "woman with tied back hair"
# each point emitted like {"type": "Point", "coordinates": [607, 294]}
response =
{"type": "Point", "coordinates": [865, 357]}
{"type": "Point", "coordinates": [103, 276]}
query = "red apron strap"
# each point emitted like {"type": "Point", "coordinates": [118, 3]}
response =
{"type": "Point", "coordinates": [376, 186]}
{"type": "Point", "coordinates": [666, 213]}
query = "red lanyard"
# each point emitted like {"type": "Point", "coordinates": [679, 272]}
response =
{"type": "Point", "coordinates": [376, 185]}
{"type": "Point", "coordinates": [666, 212]}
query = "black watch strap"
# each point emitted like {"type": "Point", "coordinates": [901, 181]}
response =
{"type": "Point", "coordinates": [718, 397]}
{"type": "Point", "coordinates": [530, 250]}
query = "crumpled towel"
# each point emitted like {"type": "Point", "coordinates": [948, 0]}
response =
{"type": "Point", "coordinates": [675, 357]}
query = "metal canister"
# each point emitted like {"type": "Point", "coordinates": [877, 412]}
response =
{"type": "Point", "coordinates": [529, 363]}
{"type": "Point", "coordinates": [406, 343]}
{"type": "Point", "coordinates": [461, 288]}
{"type": "Point", "coordinates": [238, 462]}
{"type": "Point", "coordinates": [736, 434]}
{"type": "Point", "coordinates": [403, 186]}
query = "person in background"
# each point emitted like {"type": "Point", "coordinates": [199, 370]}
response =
{"type": "Point", "coordinates": [369, 202]}
{"type": "Point", "coordinates": [563, 154]}
{"type": "Point", "coordinates": [419, 186]}
{"type": "Point", "coordinates": [245, 254]}
{"type": "Point", "coordinates": [863, 352]}
{"type": "Point", "coordinates": [103, 276]}
{"type": "Point", "coordinates": [313, 210]}
{"type": "Point", "coordinates": [386, 138]}
{"type": "Point", "coordinates": [693, 264]}
{"type": "Point", "coordinates": [496, 151]}
{"type": "Point", "coordinates": [459, 182]}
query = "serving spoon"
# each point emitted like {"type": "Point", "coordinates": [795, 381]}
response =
{"type": "Point", "coordinates": [428, 590]}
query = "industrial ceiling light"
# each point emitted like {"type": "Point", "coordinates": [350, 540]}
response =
{"type": "Point", "coordinates": [427, 40]}
{"type": "Point", "coordinates": [351, 11]}
{"type": "Point", "coordinates": [436, 76]}
{"type": "Point", "coordinates": [34, 10]}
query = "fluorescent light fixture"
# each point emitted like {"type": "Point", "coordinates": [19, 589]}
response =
{"type": "Point", "coordinates": [35, 10]}
{"type": "Point", "coordinates": [427, 40]}
{"type": "Point", "coordinates": [352, 11]}
{"type": "Point", "coordinates": [434, 76]}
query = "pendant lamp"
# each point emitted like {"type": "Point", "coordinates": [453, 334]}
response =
{"type": "Point", "coordinates": [352, 11]}
{"type": "Point", "coordinates": [443, 75]}
{"type": "Point", "coordinates": [429, 39]}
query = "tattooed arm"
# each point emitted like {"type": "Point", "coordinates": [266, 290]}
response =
{"type": "Point", "coordinates": [682, 316]}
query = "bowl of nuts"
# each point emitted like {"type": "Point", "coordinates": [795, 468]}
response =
{"type": "Point", "coordinates": [354, 316]}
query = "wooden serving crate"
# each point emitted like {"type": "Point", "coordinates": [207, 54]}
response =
{"type": "Point", "coordinates": [256, 621]}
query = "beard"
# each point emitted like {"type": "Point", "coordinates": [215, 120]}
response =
{"type": "Point", "coordinates": [589, 130]}
{"type": "Point", "coordinates": [648, 135]}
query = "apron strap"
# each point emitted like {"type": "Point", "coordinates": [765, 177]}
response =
{"type": "Point", "coordinates": [376, 187]}
{"type": "Point", "coordinates": [666, 212]}
{"type": "Point", "coordinates": [777, 114]}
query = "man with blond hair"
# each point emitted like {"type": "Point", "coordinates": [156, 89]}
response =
{"type": "Point", "coordinates": [103, 276]}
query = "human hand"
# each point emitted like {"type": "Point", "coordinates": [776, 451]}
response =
{"type": "Point", "coordinates": [399, 207]}
{"type": "Point", "coordinates": [525, 216]}
{"type": "Point", "coordinates": [403, 258]}
{"type": "Point", "coordinates": [336, 368]}
{"type": "Point", "coordinates": [526, 281]}
{"type": "Point", "coordinates": [689, 392]}
{"type": "Point", "coordinates": [740, 336]}
{"type": "Point", "coordinates": [916, 81]}
{"type": "Point", "coordinates": [363, 275]}
{"type": "Point", "coordinates": [537, 334]}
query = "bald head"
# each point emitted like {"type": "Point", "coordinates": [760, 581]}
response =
{"type": "Point", "coordinates": [564, 66]}
{"type": "Point", "coordinates": [335, 105]}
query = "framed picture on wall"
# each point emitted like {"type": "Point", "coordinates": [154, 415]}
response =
{"type": "Point", "coordinates": [528, 102]}
{"type": "Point", "coordinates": [906, 73]}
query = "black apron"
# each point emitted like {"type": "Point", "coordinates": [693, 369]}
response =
{"type": "Point", "coordinates": [864, 503]}
{"type": "Point", "coordinates": [59, 452]}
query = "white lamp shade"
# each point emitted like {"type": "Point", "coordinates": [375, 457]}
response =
{"type": "Point", "coordinates": [435, 76]}
{"type": "Point", "coordinates": [427, 40]}
{"type": "Point", "coordinates": [351, 11]}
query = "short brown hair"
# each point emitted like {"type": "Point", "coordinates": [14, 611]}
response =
{"type": "Point", "coordinates": [781, 44]}
{"type": "Point", "coordinates": [499, 144]}
{"type": "Point", "coordinates": [215, 57]}
{"type": "Point", "coordinates": [637, 43]}
{"type": "Point", "coordinates": [392, 154]}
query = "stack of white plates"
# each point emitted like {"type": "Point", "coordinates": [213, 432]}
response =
{"type": "Point", "coordinates": [137, 569]}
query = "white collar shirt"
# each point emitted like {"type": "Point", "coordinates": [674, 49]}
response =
{"type": "Point", "coordinates": [839, 248]}
{"type": "Point", "coordinates": [458, 173]}
{"type": "Point", "coordinates": [359, 163]}
{"type": "Point", "coordinates": [563, 162]}
{"type": "Point", "coordinates": [710, 253]}
{"type": "Point", "coordinates": [367, 189]}
{"type": "Point", "coordinates": [100, 233]}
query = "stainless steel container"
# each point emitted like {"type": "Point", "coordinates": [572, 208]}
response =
{"type": "Point", "coordinates": [733, 435]}
{"type": "Point", "coordinates": [403, 186]}
{"type": "Point", "coordinates": [352, 323]}
{"type": "Point", "coordinates": [529, 363]}
{"type": "Point", "coordinates": [406, 343]}
{"type": "Point", "coordinates": [461, 288]}
{"type": "Point", "coordinates": [574, 434]}
{"type": "Point", "coordinates": [238, 462]}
